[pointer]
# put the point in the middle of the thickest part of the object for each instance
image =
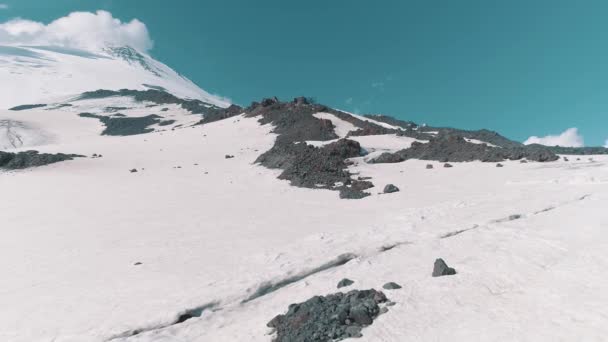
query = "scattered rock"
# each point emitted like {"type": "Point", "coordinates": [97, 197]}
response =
{"type": "Point", "coordinates": [133, 170]}
{"type": "Point", "coordinates": [228, 156]}
{"type": "Point", "coordinates": [429, 166]}
{"type": "Point", "coordinates": [447, 165]}
{"type": "Point", "coordinates": [523, 161]}
{"type": "Point", "coordinates": [391, 286]}
{"type": "Point", "coordinates": [499, 165]}
{"type": "Point", "coordinates": [345, 282]}
{"type": "Point", "coordinates": [328, 318]}
{"type": "Point", "coordinates": [441, 269]}
{"type": "Point", "coordinates": [390, 188]}
{"type": "Point", "coordinates": [137, 263]}
{"type": "Point", "coordinates": [566, 159]}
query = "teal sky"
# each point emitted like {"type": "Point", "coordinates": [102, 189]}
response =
{"type": "Point", "coordinates": [519, 67]}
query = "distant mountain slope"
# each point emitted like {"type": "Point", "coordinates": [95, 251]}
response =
{"type": "Point", "coordinates": [43, 74]}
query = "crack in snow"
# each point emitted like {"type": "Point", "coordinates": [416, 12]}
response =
{"type": "Point", "coordinates": [269, 287]}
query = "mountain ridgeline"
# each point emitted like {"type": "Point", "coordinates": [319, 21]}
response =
{"type": "Point", "coordinates": [325, 164]}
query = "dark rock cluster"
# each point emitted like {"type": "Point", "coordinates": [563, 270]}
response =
{"type": "Point", "coordinates": [26, 107]}
{"type": "Point", "coordinates": [124, 126]}
{"type": "Point", "coordinates": [454, 148]}
{"type": "Point", "coordinates": [328, 318]}
{"type": "Point", "coordinates": [302, 164]}
{"type": "Point", "coordinates": [27, 159]}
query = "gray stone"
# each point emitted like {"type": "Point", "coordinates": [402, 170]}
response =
{"type": "Point", "coordinates": [429, 166]}
{"type": "Point", "coordinates": [447, 165]}
{"type": "Point", "coordinates": [499, 165]}
{"type": "Point", "coordinates": [345, 282]}
{"type": "Point", "coordinates": [391, 286]}
{"type": "Point", "coordinates": [390, 188]}
{"type": "Point", "coordinates": [440, 268]}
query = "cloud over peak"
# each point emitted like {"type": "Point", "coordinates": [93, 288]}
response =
{"type": "Point", "coordinates": [568, 138]}
{"type": "Point", "coordinates": [84, 30]}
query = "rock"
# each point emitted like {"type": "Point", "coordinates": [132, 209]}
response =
{"type": "Point", "coordinates": [137, 263]}
{"type": "Point", "coordinates": [27, 159]}
{"type": "Point", "coordinates": [455, 148]}
{"type": "Point", "coordinates": [566, 159]}
{"type": "Point", "coordinates": [350, 193]}
{"type": "Point", "coordinates": [391, 286]}
{"type": "Point", "coordinates": [228, 156]}
{"type": "Point", "coordinates": [390, 188]}
{"type": "Point", "coordinates": [523, 161]}
{"type": "Point", "coordinates": [269, 101]}
{"type": "Point", "coordinates": [447, 165]}
{"type": "Point", "coordinates": [133, 170]}
{"type": "Point", "coordinates": [328, 318]}
{"type": "Point", "coordinates": [499, 165]}
{"type": "Point", "coordinates": [429, 166]}
{"type": "Point", "coordinates": [441, 269]}
{"type": "Point", "coordinates": [345, 282]}
{"type": "Point", "coordinates": [301, 100]}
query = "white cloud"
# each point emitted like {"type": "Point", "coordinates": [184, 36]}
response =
{"type": "Point", "coordinates": [3, 6]}
{"type": "Point", "coordinates": [606, 143]}
{"type": "Point", "coordinates": [569, 138]}
{"type": "Point", "coordinates": [77, 30]}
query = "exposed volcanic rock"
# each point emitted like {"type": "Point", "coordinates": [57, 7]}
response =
{"type": "Point", "coordinates": [574, 150]}
{"type": "Point", "coordinates": [26, 107]}
{"type": "Point", "coordinates": [122, 126]}
{"type": "Point", "coordinates": [302, 164]}
{"type": "Point", "coordinates": [312, 167]}
{"type": "Point", "coordinates": [334, 317]}
{"type": "Point", "coordinates": [27, 159]}
{"type": "Point", "coordinates": [156, 96]}
{"type": "Point", "coordinates": [454, 148]}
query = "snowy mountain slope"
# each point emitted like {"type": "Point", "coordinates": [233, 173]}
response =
{"type": "Point", "coordinates": [174, 226]}
{"type": "Point", "coordinates": [49, 74]}
{"type": "Point", "coordinates": [209, 231]}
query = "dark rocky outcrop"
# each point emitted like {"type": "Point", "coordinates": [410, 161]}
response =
{"type": "Point", "coordinates": [334, 317]}
{"type": "Point", "coordinates": [304, 165]}
{"type": "Point", "coordinates": [24, 160]}
{"type": "Point", "coordinates": [156, 96]}
{"type": "Point", "coordinates": [124, 126]}
{"type": "Point", "coordinates": [447, 165]}
{"type": "Point", "coordinates": [440, 268]}
{"type": "Point", "coordinates": [312, 167]}
{"type": "Point", "coordinates": [454, 148]}
{"type": "Point", "coordinates": [26, 107]}
{"type": "Point", "coordinates": [574, 150]}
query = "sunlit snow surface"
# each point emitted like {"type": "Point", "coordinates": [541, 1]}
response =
{"type": "Point", "coordinates": [47, 74]}
{"type": "Point", "coordinates": [209, 231]}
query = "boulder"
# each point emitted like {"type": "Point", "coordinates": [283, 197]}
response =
{"type": "Point", "coordinates": [390, 188]}
{"type": "Point", "coordinates": [442, 269]}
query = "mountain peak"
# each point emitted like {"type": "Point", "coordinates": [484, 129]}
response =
{"type": "Point", "coordinates": [46, 74]}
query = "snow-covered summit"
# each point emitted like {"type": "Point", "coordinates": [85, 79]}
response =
{"type": "Point", "coordinates": [45, 74]}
